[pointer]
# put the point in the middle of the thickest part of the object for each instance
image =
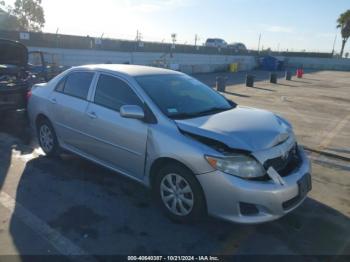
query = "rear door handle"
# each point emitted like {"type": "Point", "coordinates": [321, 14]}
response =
{"type": "Point", "coordinates": [92, 115]}
{"type": "Point", "coordinates": [53, 101]}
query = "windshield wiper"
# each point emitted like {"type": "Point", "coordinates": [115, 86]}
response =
{"type": "Point", "coordinates": [210, 111]}
{"type": "Point", "coordinates": [183, 115]}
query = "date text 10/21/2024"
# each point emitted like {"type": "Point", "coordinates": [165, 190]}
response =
{"type": "Point", "coordinates": [173, 258]}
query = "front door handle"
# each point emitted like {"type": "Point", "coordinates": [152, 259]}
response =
{"type": "Point", "coordinates": [53, 101]}
{"type": "Point", "coordinates": [92, 115]}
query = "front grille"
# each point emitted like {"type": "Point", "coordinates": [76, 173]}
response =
{"type": "Point", "coordinates": [285, 165]}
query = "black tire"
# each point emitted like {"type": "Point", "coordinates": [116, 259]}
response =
{"type": "Point", "coordinates": [199, 203]}
{"type": "Point", "coordinates": [54, 150]}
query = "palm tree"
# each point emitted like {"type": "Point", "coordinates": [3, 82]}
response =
{"type": "Point", "coordinates": [344, 24]}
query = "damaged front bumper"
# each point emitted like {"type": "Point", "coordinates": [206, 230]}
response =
{"type": "Point", "coordinates": [245, 201]}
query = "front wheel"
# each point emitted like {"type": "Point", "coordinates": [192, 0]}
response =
{"type": "Point", "coordinates": [179, 193]}
{"type": "Point", "coordinates": [47, 138]}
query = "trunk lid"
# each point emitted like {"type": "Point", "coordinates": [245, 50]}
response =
{"type": "Point", "coordinates": [13, 53]}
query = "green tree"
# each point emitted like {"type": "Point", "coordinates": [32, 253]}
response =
{"type": "Point", "coordinates": [24, 15]}
{"type": "Point", "coordinates": [7, 21]}
{"type": "Point", "coordinates": [344, 24]}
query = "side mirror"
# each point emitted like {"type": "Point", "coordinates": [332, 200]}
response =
{"type": "Point", "coordinates": [132, 111]}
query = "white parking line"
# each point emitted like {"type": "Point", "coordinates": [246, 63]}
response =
{"type": "Point", "coordinates": [335, 131]}
{"type": "Point", "coordinates": [63, 245]}
{"type": "Point", "coordinates": [304, 117]}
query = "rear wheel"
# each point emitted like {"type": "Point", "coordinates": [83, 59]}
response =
{"type": "Point", "coordinates": [179, 193]}
{"type": "Point", "coordinates": [47, 138]}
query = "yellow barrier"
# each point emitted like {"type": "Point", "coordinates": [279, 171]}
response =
{"type": "Point", "coordinates": [234, 67]}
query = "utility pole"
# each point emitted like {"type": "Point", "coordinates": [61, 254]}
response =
{"type": "Point", "coordinates": [259, 43]}
{"type": "Point", "coordinates": [57, 36]}
{"type": "Point", "coordinates": [138, 36]}
{"type": "Point", "coordinates": [173, 39]}
{"type": "Point", "coordinates": [196, 39]}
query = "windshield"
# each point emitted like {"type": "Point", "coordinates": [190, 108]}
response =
{"type": "Point", "coordinates": [180, 96]}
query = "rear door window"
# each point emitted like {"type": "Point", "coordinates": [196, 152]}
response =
{"type": "Point", "coordinates": [111, 92]}
{"type": "Point", "coordinates": [77, 84]}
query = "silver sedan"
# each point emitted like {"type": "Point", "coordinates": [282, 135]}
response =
{"type": "Point", "coordinates": [199, 152]}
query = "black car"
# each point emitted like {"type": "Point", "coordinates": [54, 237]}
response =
{"type": "Point", "coordinates": [15, 79]}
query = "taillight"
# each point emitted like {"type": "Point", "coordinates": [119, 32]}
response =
{"type": "Point", "coordinates": [29, 94]}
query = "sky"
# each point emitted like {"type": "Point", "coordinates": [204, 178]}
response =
{"type": "Point", "coordinates": [283, 24]}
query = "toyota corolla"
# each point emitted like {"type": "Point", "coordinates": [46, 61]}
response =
{"type": "Point", "coordinates": [199, 152]}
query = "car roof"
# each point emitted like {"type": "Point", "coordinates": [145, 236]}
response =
{"type": "Point", "coordinates": [131, 70]}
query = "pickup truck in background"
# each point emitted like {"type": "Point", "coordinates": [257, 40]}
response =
{"type": "Point", "coordinates": [44, 65]}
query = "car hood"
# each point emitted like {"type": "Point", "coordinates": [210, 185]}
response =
{"type": "Point", "coordinates": [13, 53]}
{"type": "Point", "coordinates": [240, 128]}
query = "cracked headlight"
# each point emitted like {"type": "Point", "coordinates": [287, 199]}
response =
{"type": "Point", "coordinates": [237, 165]}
